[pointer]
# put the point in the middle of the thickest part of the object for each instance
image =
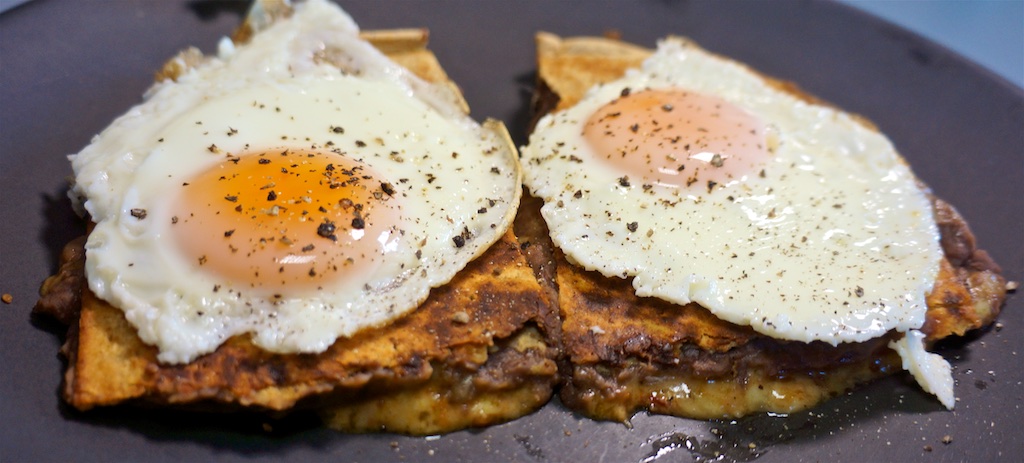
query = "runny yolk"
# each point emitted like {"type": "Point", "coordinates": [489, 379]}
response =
{"type": "Point", "coordinates": [677, 138]}
{"type": "Point", "coordinates": [276, 222]}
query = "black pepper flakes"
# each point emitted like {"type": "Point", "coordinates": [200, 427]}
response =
{"type": "Point", "coordinates": [271, 195]}
{"type": "Point", "coordinates": [338, 130]}
{"type": "Point", "coordinates": [859, 291]}
{"type": "Point", "coordinates": [326, 230]}
{"type": "Point", "coordinates": [632, 226]}
{"type": "Point", "coordinates": [308, 247]}
{"type": "Point", "coordinates": [264, 161]}
{"type": "Point", "coordinates": [231, 198]}
{"type": "Point", "coordinates": [139, 213]}
{"type": "Point", "coordinates": [459, 241]}
{"type": "Point", "coordinates": [624, 181]}
{"type": "Point", "coordinates": [387, 188]}
{"type": "Point", "coordinates": [227, 234]}
{"type": "Point", "coordinates": [358, 223]}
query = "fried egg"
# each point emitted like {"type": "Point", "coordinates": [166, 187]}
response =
{"type": "Point", "coordinates": [703, 182]}
{"type": "Point", "coordinates": [300, 187]}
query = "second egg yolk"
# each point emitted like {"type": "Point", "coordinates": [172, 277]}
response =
{"type": "Point", "coordinates": [677, 138]}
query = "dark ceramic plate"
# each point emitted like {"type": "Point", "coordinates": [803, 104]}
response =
{"type": "Point", "coordinates": [67, 68]}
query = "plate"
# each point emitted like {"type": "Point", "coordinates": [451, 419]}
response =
{"type": "Point", "coordinates": [68, 68]}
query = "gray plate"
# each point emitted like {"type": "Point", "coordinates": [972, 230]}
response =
{"type": "Point", "coordinates": [67, 68]}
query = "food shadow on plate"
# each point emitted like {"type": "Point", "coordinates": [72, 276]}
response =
{"type": "Point", "coordinates": [520, 123]}
{"type": "Point", "coordinates": [240, 432]}
{"type": "Point", "coordinates": [61, 225]}
{"type": "Point", "coordinates": [207, 10]}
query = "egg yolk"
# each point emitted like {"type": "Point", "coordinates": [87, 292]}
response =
{"type": "Point", "coordinates": [294, 220]}
{"type": "Point", "coordinates": [677, 138]}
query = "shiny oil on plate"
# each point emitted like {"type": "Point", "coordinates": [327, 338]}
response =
{"type": "Point", "coordinates": [67, 68]}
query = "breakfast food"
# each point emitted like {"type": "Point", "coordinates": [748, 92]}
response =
{"type": "Point", "coordinates": [723, 244]}
{"type": "Point", "coordinates": [302, 221]}
{"type": "Point", "coordinates": [446, 326]}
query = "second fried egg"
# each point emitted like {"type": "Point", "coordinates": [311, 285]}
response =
{"type": "Point", "coordinates": [702, 182]}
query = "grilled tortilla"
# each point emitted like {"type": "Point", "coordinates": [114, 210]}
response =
{"type": "Point", "coordinates": [480, 350]}
{"type": "Point", "coordinates": [682, 360]}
